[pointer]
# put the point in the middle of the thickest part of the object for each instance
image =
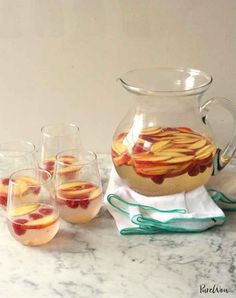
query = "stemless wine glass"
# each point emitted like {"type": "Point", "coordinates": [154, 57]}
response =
{"type": "Point", "coordinates": [32, 214]}
{"type": "Point", "coordinates": [14, 155]}
{"type": "Point", "coordinates": [78, 186]}
{"type": "Point", "coordinates": [57, 138]}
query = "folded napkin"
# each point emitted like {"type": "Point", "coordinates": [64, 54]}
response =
{"type": "Point", "coordinates": [222, 188]}
{"type": "Point", "coordinates": [134, 213]}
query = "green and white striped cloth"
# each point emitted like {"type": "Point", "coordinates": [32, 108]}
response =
{"type": "Point", "coordinates": [134, 213]}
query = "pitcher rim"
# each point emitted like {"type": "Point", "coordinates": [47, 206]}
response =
{"type": "Point", "coordinates": [185, 91]}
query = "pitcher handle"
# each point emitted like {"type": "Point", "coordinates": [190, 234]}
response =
{"type": "Point", "coordinates": [222, 156]}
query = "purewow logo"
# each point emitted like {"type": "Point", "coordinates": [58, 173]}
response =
{"type": "Point", "coordinates": [213, 290]}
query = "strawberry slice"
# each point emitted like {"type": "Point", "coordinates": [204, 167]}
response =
{"type": "Point", "coordinates": [35, 216]}
{"type": "Point", "coordinates": [46, 211]}
{"type": "Point", "coordinates": [18, 226]}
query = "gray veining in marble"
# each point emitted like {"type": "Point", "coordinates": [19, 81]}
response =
{"type": "Point", "coordinates": [93, 260]}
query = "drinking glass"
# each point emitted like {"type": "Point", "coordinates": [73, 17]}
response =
{"type": "Point", "coordinates": [32, 214]}
{"type": "Point", "coordinates": [14, 155]}
{"type": "Point", "coordinates": [78, 186]}
{"type": "Point", "coordinates": [57, 138]}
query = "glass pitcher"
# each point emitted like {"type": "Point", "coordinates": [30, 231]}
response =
{"type": "Point", "coordinates": [164, 145]}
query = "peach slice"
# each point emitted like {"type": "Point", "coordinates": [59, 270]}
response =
{"type": "Point", "coordinates": [68, 159]}
{"type": "Point", "coordinates": [185, 141]}
{"type": "Point", "coordinates": [190, 135]}
{"type": "Point", "coordinates": [69, 171]}
{"type": "Point", "coordinates": [71, 185]}
{"type": "Point", "coordinates": [179, 170]}
{"type": "Point", "coordinates": [41, 223]}
{"type": "Point", "coordinates": [198, 144]}
{"type": "Point", "coordinates": [178, 150]}
{"type": "Point", "coordinates": [20, 189]}
{"type": "Point", "coordinates": [180, 159]}
{"type": "Point", "coordinates": [168, 133]}
{"type": "Point", "coordinates": [119, 147]}
{"type": "Point", "coordinates": [151, 131]}
{"type": "Point", "coordinates": [150, 157]}
{"type": "Point", "coordinates": [121, 159]}
{"type": "Point", "coordinates": [205, 151]}
{"type": "Point", "coordinates": [95, 193]}
{"type": "Point", "coordinates": [157, 170]}
{"type": "Point", "coordinates": [75, 189]}
{"type": "Point", "coordinates": [166, 153]}
{"type": "Point", "coordinates": [159, 146]}
{"type": "Point", "coordinates": [23, 210]}
{"type": "Point", "coordinates": [27, 179]}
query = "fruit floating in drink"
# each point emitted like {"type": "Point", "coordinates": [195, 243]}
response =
{"type": "Point", "coordinates": [163, 161]}
{"type": "Point", "coordinates": [78, 201]}
{"type": "Point", "coordinates": [3, 192]}
{"type": "Point", "coordinates": [67, 172]}
{"type": "Point", "coordinates": [34, 224]}
{"type": "Point", "coordinates": [24, 189]}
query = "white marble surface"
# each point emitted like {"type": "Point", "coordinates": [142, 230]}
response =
{"type": "Point", "coordinates": [93, 260]}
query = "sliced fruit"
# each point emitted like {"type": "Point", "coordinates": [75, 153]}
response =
{"type": "Point", "coordinates": [168, 133]}
{"type": "Point", "coordinates": [24, 184]}
{"type": "Point", "coordinates": [18, 226]}
{"type": "Point", "coordinates": [20, 188]}
{"type": "Point", "coordinates": [94, 194]}
{"type": "Point", "coordinates": [198, 144]}
{"type": "Point", "coordinates": [158, 170]}
{"type": "Point", "coordinates": [75, 190]}
{"type": "Point", "coordinates": [185, 141]}
{"type": "Point", "coordinates": [119, 147]}
{"type": "Point", "coordinates": [151, 131]}
{"type": "Point", "coordinates": [68, 159]}
{"type": "Point", "coordinates": [76, 184]}
{"type": "Point", "coordinates": [159, 146]}
{"type": "Point", "coordinates": [121, 160]}
{"type": "Point", "coordinates": [27, 179]}
{"type": "Point", "coordinates": [184, 129]}
{"type": "Point", "coordinates": [180, 159]}
{"type": "Point", "coordinates": [23, 210]}
{"type": "Point", "coordinates": [151, 158]}
{"type": "Point", "coordinates": [41, 222]}
{"type": "Point", "coordinates": [205, 152]}
{"type": "Point", "coordinates": [178, 150]}
{"type": "Point", "coordinates": [167, 153]}
{"type": "Point", "coordinates": [69, 171]}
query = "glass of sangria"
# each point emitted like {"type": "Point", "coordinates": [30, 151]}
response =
{"type": "Point", "coordinates": [57, 138]}
{"type": "Point", "coordinates": [14, 155]}
{"type": "Point", "coordinates": [32, 214]}
{"type": "Point", "coordinates": [78, 186]}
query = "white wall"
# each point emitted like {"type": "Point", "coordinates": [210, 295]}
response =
{"type": "Point", "coordinates": [59, 59]}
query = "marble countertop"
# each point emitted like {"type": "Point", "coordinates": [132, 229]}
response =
{"type": "Point", "coordinates": [93, 260]}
